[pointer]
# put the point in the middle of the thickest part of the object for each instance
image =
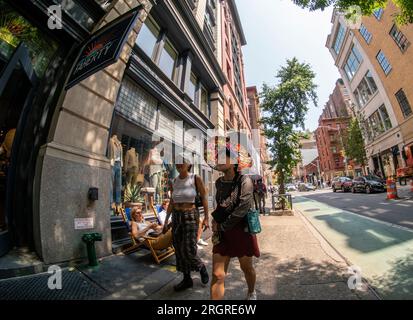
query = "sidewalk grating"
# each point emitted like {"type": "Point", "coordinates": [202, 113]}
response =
{"type": "Point", "coordinates": [75, 286]}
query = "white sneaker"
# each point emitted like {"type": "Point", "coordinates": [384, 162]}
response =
{"type": "Point", "coordinates": [199, 247]}
{"type": "Point", "coordinates": [202, 242]}
{"type": "Point", "coordinates": [252, 295]}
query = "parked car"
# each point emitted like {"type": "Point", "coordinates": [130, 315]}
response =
{"type": "Point", "coordinates": [376, 178]}
{"type": "Point", "coordinates": [306, 187]}
{"type": "Point", "coordinates": [368, 185]}
{"type": "Point", "coordinates": [342, 183]}
{"type": "Point", "coordinates": [290, 187]}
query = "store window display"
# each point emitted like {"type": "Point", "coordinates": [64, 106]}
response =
{"type": "Point", "coordinates": [116, 161]}
{"type": "Point", "coordinates": [155, 168]}
{"type": "Point", "coordinates": [131, 167]}
{"type": "Point", "coordinates": [5, 154]}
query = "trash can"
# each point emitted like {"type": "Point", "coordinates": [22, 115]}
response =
{"type": "Point", "coordinates": [90, 239]}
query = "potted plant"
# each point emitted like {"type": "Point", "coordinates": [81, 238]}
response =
{"type": "Point", "coordinates": [132, 196]}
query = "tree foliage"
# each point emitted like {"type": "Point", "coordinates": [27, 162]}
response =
{"type": "Point", "coordinates": [285, 107]}
{"type": "Point", "coordinates": [354, 143]}
{"type": "Point", "coordinates": [405, 7]}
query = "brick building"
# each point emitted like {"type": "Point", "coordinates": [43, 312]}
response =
{"type": "Point", "coordinates": [332, 125]}
{"type": "Point", "coordinates": [371, 101]}
{"type": "Point", "coordinates": [388, 47]}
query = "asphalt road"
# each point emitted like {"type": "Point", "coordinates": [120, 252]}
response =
{"type": "Point", "coordinates": [375, 205]}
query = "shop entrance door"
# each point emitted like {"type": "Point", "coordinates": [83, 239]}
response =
{"type": "Point", "coordinates": [17, 85]}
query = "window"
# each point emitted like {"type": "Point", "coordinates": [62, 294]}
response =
{"type": "Point", "coordinates": [385, 117]}
{"type": "Point", "coordinates": [365, 90]}
{"type": "Point", "coordinates": [353, 63]}
{"type": "Point", "coordinates": [384, 63]}
{"type": "Point", "coordinates": [371, 82]}
{"type": "Point", "coordinates": [377, 126]}
{"type": "Point", "coordinates": [339, 38]}
{"type": "Point", "coordinates": [168, 59]}
{"type": "Point", "coordinates": [399, 38]}
{"type": "Point", "coordinates": [365, 33]}
{"type": "Point", "coordinates": [204, 102]}
{"type": "Point", "coordinates": [236, 65]}
{"type": "Point", "coordinates": [148, 37]}
{"type": "Point", "coordinates": [378, 13]}
{"type": "Point", "coordinates": [210, 20]}
{"type": "Point", "coordinates": [192, 86]}
{"type": "Point", "coordinates": [404, 103]}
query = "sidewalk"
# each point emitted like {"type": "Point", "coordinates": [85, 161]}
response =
{"type": "Point", "coordinates": [295, 263]}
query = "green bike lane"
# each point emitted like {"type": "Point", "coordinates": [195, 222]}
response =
{"type": "Point", "coordinates": [383, 251]}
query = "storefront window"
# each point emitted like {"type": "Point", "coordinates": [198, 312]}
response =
{"type": "Point", "coordinates": [35, 51]}
{"type": "Point", "coordinates": [14, 30]}
{"type": "Point", "coordinates": [151, 137]}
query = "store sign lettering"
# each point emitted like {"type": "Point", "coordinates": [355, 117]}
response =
{"type": "Point", "coordinates": [94, 56]}
{"type": "Point", "coordinates": [104, 47]}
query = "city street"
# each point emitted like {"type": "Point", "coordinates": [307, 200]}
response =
{"type": "Point", "coordinates": [374, 205]}
{"type": "Point", "coordinates": [369, 232]}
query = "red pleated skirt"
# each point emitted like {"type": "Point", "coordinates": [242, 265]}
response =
{"type": "Point", "coordinates": [237, 243]}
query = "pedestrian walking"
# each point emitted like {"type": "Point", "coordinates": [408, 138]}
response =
{"type": "Point", "coordinates": [231, 239]}
{"type": "Point", "coordinates": [185, 224]}
{"type": "Point", "coordinates": [260, 195]}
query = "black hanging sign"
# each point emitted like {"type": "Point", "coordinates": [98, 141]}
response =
{"type": "Point", "coordinates": [104, 47]}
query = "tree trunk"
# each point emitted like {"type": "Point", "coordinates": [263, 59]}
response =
{"type": "Point", "coordinates": [282, 189]}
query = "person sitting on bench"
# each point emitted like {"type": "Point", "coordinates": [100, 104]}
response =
{"type": "Point", "coordinates": [141, 229]}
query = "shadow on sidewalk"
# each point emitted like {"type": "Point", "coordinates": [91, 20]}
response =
{"type": "Point", "coordinates": [398, 283]}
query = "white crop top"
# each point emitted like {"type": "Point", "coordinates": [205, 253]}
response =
{"type": "Point", "coordinates": [184, 190]}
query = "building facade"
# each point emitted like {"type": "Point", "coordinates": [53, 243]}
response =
{"type": "Point", "coordinates": [232, 39]}
{"type": "Point", "coordinates": [120, 127]}
{"type": "Point", "coordinates": [388, 46]}
{"type": "Point", "coordinates": [332, 128]}
{"type": "Point", "coordinates": [309, 154]}
{"type": "Point", "coordinates": [371, 102]}
{"type": "Point", "coordinates": [258, 138]}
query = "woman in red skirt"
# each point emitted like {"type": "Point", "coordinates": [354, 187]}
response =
{"type": "Point", "coordinates": [234, 195]}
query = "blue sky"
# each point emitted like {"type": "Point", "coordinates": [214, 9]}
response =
{"type": "Point", "coordinates": [277, 30]}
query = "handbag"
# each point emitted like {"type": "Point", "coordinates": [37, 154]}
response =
{"type": "Point", "coordinates": [253, 219]}
{"type": "Point", "coordinates": [198, 200]}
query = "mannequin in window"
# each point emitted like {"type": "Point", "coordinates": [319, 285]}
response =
{"type": "Point", "coordinates": [116, 161]}
{"type": "Point", "coordinates": [155, 164]}
{"type": "Point", "coordinates": [6, 146]}
{"type": "Point", "coordinates": [131, 166]}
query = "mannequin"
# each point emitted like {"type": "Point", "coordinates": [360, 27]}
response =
{"type": "Point", "coordinates": [116, 161]}
{"type": "Point", "coordinates": [131, 166]}
{"type": "Point", "coordinates": [155, 164]}
{"type": "Point", "coordinates": [8, 143]}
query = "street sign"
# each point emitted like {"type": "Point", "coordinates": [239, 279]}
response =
{"type": "Point", "coordinates": [84, 223]}
{"type": "Point", "coordinates": [104, 47]}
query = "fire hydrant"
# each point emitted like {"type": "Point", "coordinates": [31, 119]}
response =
{"type": "Point", "coordinates": [90, 239]}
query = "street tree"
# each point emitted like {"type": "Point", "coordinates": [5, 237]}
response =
{"type": "Point", "coordinates": [285, 107]}
{"type": "Point", "coordinates": [405, 15]}
{"type": "Point", "coordinates": [354, 144]}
